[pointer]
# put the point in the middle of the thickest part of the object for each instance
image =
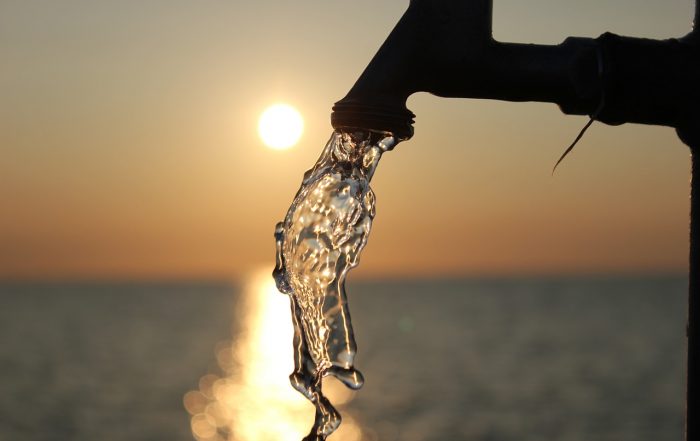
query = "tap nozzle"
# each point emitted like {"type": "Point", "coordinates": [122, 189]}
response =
{"type": "Point", "coordinates": [445, 47]}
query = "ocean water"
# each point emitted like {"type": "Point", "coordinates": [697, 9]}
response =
{"type": "Point", "coordinates": [568, 359]}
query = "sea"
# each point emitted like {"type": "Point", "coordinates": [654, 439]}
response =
{"type": "Point", "coordinates": [487, 359]}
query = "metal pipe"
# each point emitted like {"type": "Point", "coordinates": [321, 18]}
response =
{"type": "Point", "coordinates": [692, 420]}
{"type": "Point", "coordinates": [445, 47]}
{"type": "Point", "coordinates": [689, 133]}
{"type": "Point", "coordinates": [691, 137]}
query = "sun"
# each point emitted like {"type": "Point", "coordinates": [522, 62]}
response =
{"type": "Point", "coordinates": [280, 126]}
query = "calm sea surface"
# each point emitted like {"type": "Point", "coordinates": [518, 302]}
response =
{"type": "Point", "coordinates": [564, 359]}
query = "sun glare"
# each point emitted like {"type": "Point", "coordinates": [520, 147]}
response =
{"type": "Point", "coordinates": [280, 126]}
{"type": "Point", "coordinates": [252, 399]}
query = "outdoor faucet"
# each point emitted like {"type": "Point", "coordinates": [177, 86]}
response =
{"type": "Point", "coordinates": [446, 47]}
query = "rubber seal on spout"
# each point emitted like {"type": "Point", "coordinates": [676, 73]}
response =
{"type": "Point", "coordinates": [374, 117]}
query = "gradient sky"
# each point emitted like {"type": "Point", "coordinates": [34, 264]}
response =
{"type": "Point", "coordinates": [128, 145]}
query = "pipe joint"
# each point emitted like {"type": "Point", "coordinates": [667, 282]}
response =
{"type": "Point", "coordinates": [649, 81]}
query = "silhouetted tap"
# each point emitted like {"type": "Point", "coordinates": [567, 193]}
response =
{"type": "Point", "coordinates": [445, 47]}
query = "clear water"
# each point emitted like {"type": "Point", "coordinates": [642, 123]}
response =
{"type": "Point", "coordinates": [318, 242]}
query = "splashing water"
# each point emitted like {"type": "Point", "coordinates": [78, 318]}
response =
{"type": "Point", "coordinates": [318, 242]}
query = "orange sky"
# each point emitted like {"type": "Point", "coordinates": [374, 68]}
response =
{"type": "Point", "coordinates": [129, 146]}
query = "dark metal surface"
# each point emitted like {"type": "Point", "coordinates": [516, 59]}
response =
{"type": "Point", "coordinates": [693, 375]}
{"type": "Point", "coordinates": [649, 81]}
{"type": "Point", "coordinates": [445, 47]}
{"type": "Point", "coordinates": [689, 133]}
{"type": "Point", "coordinates": [691, 136]}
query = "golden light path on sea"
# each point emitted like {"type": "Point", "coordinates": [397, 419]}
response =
{"type": "Point", "coordinates": [251, 398]}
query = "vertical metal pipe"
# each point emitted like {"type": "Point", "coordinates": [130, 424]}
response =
{"type": "Point", "coordinates": [692, 421]}
{"type": "Point", "coordinates": [692, 139]}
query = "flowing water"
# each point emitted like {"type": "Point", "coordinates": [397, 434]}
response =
{"type": "Point", "coordinates": [318, 242]}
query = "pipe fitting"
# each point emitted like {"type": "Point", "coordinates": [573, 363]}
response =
{"type": "Point", "coordinates": [650, 81]}
{"type": "Point", "coordinates": [445, 47]}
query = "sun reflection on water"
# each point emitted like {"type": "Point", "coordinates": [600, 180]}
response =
{"type": "Point", "coordinates": [252, 400]}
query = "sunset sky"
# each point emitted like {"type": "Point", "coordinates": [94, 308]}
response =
{"type": "Point", "coordinates": [129, 145]}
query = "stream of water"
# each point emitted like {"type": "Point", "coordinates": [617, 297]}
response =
{"type": "Point", "coordinates": [318, 242]}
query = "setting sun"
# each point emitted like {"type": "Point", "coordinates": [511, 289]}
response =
{"type": "Point", "coordinates": [280, 126]}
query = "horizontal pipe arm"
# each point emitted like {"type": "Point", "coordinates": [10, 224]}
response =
{"type": "Point", "coordinates": [445, 47]}
{"type": "Point", "coordinates": [565, 74]}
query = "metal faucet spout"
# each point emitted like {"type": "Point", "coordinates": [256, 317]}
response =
{"type": "Point", "coordinates": [445, 47]}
